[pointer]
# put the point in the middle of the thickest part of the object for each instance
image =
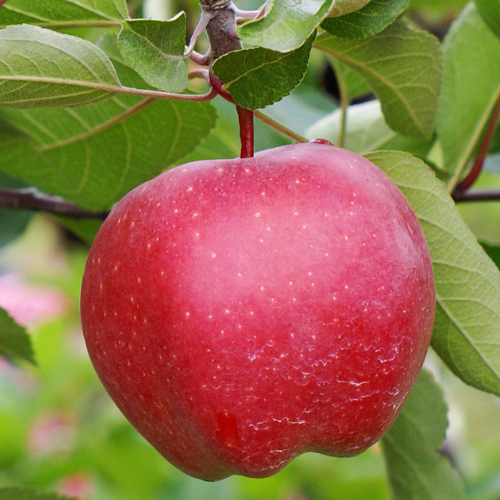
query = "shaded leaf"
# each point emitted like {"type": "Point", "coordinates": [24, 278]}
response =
{"type": "Point", "coordinates": [93, 155]}
{"type": "Point", "coordinates": [39, 67]}
{"type": "Point", "coordinates": [417, 470]}
{"type": "Point", "coordinates": [287, 24]}
{"type": "Point", "coordinates": [490, 10]}
{"type": "Point", "coordinates": [493, 252]}
{"type": "Point", "coordinates": [15, 343]}
{"type": "Point", "coordinates": [370, 20]}
{"type": "Point", "coordinates": [470, 89]}
{"type": "Point", "coordinates": [366, 131]}
{"type": "Point", "coordinates": [155, 49]}
{"type": "Point", "coordinates": [12, 222]}
{"type": "Point", "coordinates": [350, 83]}
{"type": "Point", "coordinates": [258, 77]}
{"type": "Point", "coordinates": [61, 11]}
{"type": "Point", "coordinates": [467, 326]}
{"type": "Point", "coordinates": [408, 92]}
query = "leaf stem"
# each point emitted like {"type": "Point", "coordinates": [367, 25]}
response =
{"type": "Point", "coordinates": [72, 24]}
{"type": "Point", "coordinates": [278, 126]}
{"type": "Point", "coordinates": [164, 95]}
{"type": "Point", "coordinates": [32, 199]}
{"type": "Point", "coordinates": [245, 119]}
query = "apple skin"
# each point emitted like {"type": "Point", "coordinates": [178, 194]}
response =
{"type": "Point", "coordinates": [242, 312]}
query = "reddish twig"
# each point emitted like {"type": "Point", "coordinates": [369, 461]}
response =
{"type": "Point", "coordinates": [245, 119]}
{"type": "Point", "coordinates": [32, 199]}
{"type": "Point", "coordinates": [2, 3]}
{"type": "Point", "coordinates": [477, 168]}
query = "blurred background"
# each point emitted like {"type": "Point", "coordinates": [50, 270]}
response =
{"type": "Point", "coordinates": [59, 429]}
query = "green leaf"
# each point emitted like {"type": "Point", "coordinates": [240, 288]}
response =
{"type": "Point", "coordinates": [15, 343]}
{"type": "Point", "coordinates": [493, 252]}
{"type": "Point", "coordinates": [287, 24]}
{"type": "Point", "coordinates": [490, 10]}
{"type": "Point", "coordinates": [470, 89]}
{"type": "Point", "coordinates": [366, 131]}
{"type": "Point", "coordinates": [93, 155]}
{"type": "Point", "coordinates": [258, 77]}
{"type": "Point", "coordinates": [467, 326]}
{"type": "Point", "coordinates": [417, 470]}
{"type": "Point", "coordinates": [64, 12]}
{"type": "Point", "coordinates": [39, 67]}
{"type": "Point", "coordinates": [155, 49]}
{"type": "Point", "coordinates": [12, 222]}
{"type": "Point", "coordinates": [344, 7]}
{"type": "Point", "coordinates": [350, 83]}
{"type": "Point", "coordinates": [408, 92]}
{"type": "Point", "coordinates": [28, 494]}
{"type": "Point", "coordinates": [370, 20]}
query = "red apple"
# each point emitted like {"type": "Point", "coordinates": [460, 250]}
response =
{"type": "Point", "coordinates": [242, 312]}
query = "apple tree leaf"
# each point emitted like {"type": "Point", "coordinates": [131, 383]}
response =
{"type": "Point", "coordinates": [344, 7]}
{"type": "Point", "coordinates": [94, 154]}
{"type": "Point", "coordinates": [416, 467]}
{"type": "Point", "coordinates": [350, 83]}
{"type": "Point", "coordinates": [470, 89]}
{"type": "Point", "coordinates": [467, 325]}
{"type": "Point", "coordinates": [28, 494]}
{"type": "Point", "coordinates": [15, 343]}
{"type": "Point", "coordinates": [366, 131]}
{"type": "Point", "coordinates": [62, 12]}
{"type": "Point", "coordinates": [490, 10]}
{"type": "Point", "coordinates": [493, 252]}
{"type": "Point", "coordinates": [155, 49]}
{"type": "Point", "coordinates": [408, 93]}
{"type": "Point", "coordinates": [370, 20]}
{"type": "Point", "coordinates": [286, 25]}
{"type": "Point", "coordinates": [258, 77]}
{"type": "Point", "coordinates": [12, 222]}
{"type": "Point", "coordinates": [39, 68]}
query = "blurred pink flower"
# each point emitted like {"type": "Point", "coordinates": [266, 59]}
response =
{"type": "Point", "coordinates": [54, 432]}
{"type": "Point", "coordinates": [77, 485]}
{"type": "Point", "coordinates": [30, 305]}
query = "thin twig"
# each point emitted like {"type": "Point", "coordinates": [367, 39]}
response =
{"type": "Point", "coordinates": [476, 195]}
{"type": "Point", "coordinates": [32, 199]}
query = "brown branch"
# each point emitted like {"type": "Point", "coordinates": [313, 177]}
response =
{"type": "Point", "coordinates": [32, 199]}
{"type": "Point", "coordinates": [476, 195]}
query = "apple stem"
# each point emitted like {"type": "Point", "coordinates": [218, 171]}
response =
{"type": "Point", "coordinates": [245, 119]}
